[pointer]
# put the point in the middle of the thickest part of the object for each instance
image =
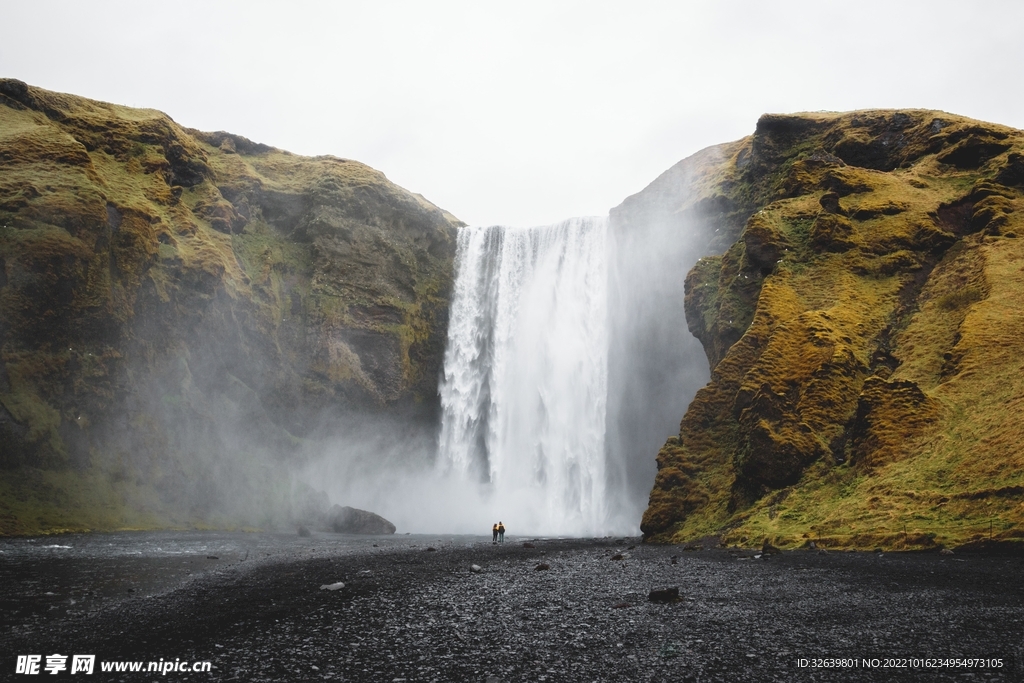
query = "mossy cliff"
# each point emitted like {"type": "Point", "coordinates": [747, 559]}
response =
{"type": "Point", "coordinates": [864, 330]}
{"type": "Point", "coordinates": [181, 309]}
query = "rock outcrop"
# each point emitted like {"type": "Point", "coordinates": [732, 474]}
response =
{"type": "Point", "coordinates": [865, 350]}
{"type": "Point", "coordinates": [183, 312]}
{"type": "Point", "coordinates": [348, 520]}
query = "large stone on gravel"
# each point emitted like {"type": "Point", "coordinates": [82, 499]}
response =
{"type": "Point", "coordinates": [347, 520]}
{"type": "Point", "coordinates": [664, 595]}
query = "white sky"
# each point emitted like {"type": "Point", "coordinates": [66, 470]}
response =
{"type": "Point", "coordinates": [520, 113]}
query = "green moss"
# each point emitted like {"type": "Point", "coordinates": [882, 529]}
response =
{"type": "Point", "coordinates": [47, 501]}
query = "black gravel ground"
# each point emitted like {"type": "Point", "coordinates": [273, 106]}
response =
{"type": "Point", "coordinates": [414, 613]}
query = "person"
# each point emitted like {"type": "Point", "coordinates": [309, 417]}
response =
{"type": "Point", "coordinates": [501, 532]}
{"type": "Point", "coordinates": [494, 534]}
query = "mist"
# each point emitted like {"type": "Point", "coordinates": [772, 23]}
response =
{"type": "Point", "coordinates": [386, 359]}
{"type": "Point", "coordinates": [568, 363]}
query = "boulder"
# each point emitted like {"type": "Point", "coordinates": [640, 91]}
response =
{"type": "Point", "coordinates": [348, 520]}
{"type": "Point", "coordinates": [664, 595]}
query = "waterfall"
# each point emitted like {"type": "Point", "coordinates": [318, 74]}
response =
{"type": "Point", "coordinates": [525, 381]}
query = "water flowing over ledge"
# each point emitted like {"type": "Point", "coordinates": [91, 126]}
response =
{"type": "Point", "coordinates": [525, 382]}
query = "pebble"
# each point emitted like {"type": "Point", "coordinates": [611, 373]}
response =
{"type": "Point", "coordinates": [332, 586]}
{"type": "Point", "coordinates": [417, 620]}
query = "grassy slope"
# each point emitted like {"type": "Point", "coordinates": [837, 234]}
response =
{"type": "Point", "coordinates": [864, 340]}
{"type": "Point", "coordinates": [158, 284]}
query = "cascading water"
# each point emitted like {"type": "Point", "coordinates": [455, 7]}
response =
{"type": "Point", "coordinates": [526, 375]}
{"type": "Point", "coordinates": [567, 365]}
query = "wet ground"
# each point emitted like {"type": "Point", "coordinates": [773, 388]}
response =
{"type": "Point", "coordinates": [413, 609]}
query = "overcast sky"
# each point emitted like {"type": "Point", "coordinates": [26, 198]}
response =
{"type": "Point", "coordinates": [520, 113]}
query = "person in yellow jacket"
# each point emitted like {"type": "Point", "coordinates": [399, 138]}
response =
{"type": "Point", "coordinates": [494, 534]}
{"type": "Point", "coordinates": [501, 532]}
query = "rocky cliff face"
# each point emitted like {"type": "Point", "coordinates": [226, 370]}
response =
{"type": "Point", "coordinates": [863, 328]}
{"type": "Point", "coordinates": [182, 312]}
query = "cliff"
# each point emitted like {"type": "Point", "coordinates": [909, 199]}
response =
{"type": "Point", "coordinates": [861, 318]}
{"type": "Point", "coordinates": [182, 312]}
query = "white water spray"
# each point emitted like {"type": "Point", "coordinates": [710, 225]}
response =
{"type": "Point", "coordinates": [526, 376]}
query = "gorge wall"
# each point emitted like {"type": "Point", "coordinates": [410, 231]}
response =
{"type": "Point", "coordinates": [189, 319]}
{"type": "Point", "coordinates": [860, 314]}
{"type": "Point", "coordinates": [184, 314]}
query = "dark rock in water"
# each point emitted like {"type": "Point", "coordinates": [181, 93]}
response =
{"type": "Point", "coordinates": [543, 566]}
{"type": "Point", "coordinates": [664, 595]}
{"type": "Point", "coordinates": [212, 557]}
{"type": "Point", "coordinates": [346, 520]}
{"type": "Point", "coordinates": [304, 532]}
{"type": "Point", "coordinates": [431, 549]}
{"type": "Point", "coordinates": [619, 556]}
{"type": "Point", "coordinates": [529, 545]}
